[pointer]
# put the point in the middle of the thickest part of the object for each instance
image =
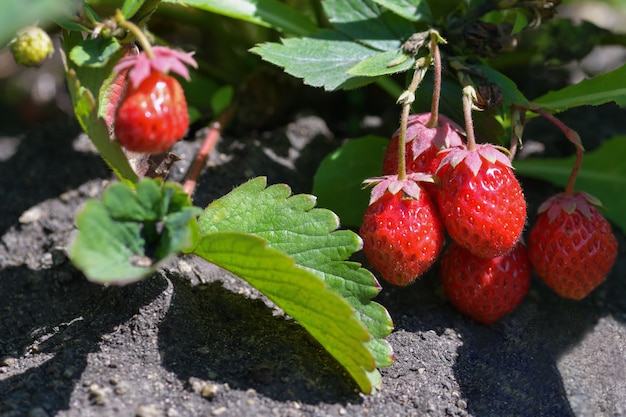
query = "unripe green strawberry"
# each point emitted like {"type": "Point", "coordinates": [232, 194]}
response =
{"type": "Point", "coordinates": [485, 289]}
{"type": "Point", "coordinates": [31, 46]}
{"type": "Point", "coordinates": [480, 201]}
{"type": "Point", "coordinates": [571, 246]}
{"type": "Point", "coordinates": [401, 231]}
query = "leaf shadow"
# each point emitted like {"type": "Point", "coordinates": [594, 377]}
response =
{"type": "Point", "coordinates": [215, 334]}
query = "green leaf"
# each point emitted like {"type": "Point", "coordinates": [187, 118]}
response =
{"type": "Point", "coordinates": [321, 60]}
{"type": "Point", "coordinates": [222, 98]}
{"type": "Point", "coordinates": [17, 14]}
{"type": "Point", "coordinates": [521, 21]}
{"type": "Point", "coordinates": [365, 22]}
{"type": "Point", "coordinates": [590, 92]}
{"type": "Point", "coordinates": [94, 52]}
{"type": "Point", "coordinates": [128, 235]}
{"type": "Point", "coordinates": [338, 182]}
{"type": "Point", "coordinates": [298, 292]}
{"type": "Point", "coordinates": [268, 13]}
{"type": "Point", "coordinates": [603, 174]}
{"type": "Point", "coordinates": [326, 59]}
{"type": "Point", "coordinates": [510, 93]}
{"type": "Point", "coordinates": [384, 63]}
{"type": "Point", "coordinates": [130, 7]}
{"type": "Point", "coordinates": [413, 10]}
{"type": "Point", "coordinates": [84, 84]}
{"type": "Point", "coordinates": [293, 226]}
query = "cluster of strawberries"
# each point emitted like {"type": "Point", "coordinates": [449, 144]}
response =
{"type": "Point", "coordinates": [470, 192]}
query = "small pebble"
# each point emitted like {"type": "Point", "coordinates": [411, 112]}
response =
{"type": "Point", "coordinates": [31, 215]}
{"type": "Point", "coordinates": [147, 411]}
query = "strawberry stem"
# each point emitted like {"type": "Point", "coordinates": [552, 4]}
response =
{"type": "Point", "coordinates": [573, 137]}
{"type": "Point", "coordinates": [433, 121]}
{"type": "Point", "coordinates": [469, 95]}
{"type": "Point", "coordinates": [406, 99]}
{"type": "Point", "coordinates": [210, 140]}
{"type": "Point", "coordinates": [136, 31]}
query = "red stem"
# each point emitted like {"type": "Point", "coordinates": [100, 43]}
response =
{"type": "Point", "coordinates": [207, 146]}
{"type": "Point", "coordinates": [573, 137]}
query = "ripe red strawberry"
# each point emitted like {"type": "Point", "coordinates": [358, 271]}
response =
{"type": "Point", "coordinates": [402, 234]}
{"type": "Point", "coordinates": [422, 144]}
{"type": "Point", "coordinates": [152, 114]}
{"type": "Point", "coordinates": [485, 289]}
{"type": "Point", "coordinates": [481, 203]}
{"type": "Point", "coordinates": [571, 246]}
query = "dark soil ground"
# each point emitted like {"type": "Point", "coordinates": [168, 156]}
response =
{"type": "Point", "coordinates": [195, 341]}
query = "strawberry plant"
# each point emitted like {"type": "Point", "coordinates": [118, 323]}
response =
{"type": "Point", "coordinates": [450, 167]}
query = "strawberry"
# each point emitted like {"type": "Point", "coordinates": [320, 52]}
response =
{"type": "Point", "coordinates": [402, 234]}
{"type": "Point", "coordinates": [485, 289]}
{"type": "Point", "coordinates": [571, 246]}
{"type": "Point", "coordinates": [422, 144]}
{"type": "Point", "coordinates": [152, 116]}
{"type": "Point", "coordinates": [31, 47]}
{"type": "Point", "coordinates": [152, 113]}
{"type": "Point", "coordinates": [481, 203]}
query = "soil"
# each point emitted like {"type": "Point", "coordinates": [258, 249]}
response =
{"type": "Point", "coordinates": [193, 340]}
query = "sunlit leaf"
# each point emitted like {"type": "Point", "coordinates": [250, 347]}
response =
{"type": "Point", "coordinates": [131, 232]}
{"type": "Point", "coordinates": [16, 14]}
{"type": "Point", "coordinates": [590, 92]}
{"type": "Point", "coordinates": [383, 63]}
{"type": "Point", "coordinates": [269, 13]}
{"type": "Point", "coordinates": [321, 60]}
{"type": "Point", "coordinates": [309, 235]}
{"type": "Point", "coordinates": [94, 52]}
{"type": "Point", "coordinates": [84, 85]}
{"type": "Point", "coordinates": [413, 10]}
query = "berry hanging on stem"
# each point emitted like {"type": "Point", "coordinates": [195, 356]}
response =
{"type": "Point", "coordinates": [152, 114]}
{"type": "Point", "coordinates": [401, 231]}
{"type": "Point", "coordinates": [480, 200]}
{"type": "Point", "coordinates": [571, 246]}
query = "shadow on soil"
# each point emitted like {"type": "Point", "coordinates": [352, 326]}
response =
{"type": "Point", "coordinates": [212, 333]}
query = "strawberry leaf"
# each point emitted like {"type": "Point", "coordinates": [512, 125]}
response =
{"type": "Point", "coordinates": [94, 52]}
{"type": "Point", "coordinates": [383, 63]}
{"type": "Point", "coordinates": [131, 232]}
{"type": "Point", "coordinates": [321, 60]}
{"type": "Point", "coordinates": [363, 31]}
{"type": "Point", "coordinates": [268, 13]}
{"type": "Point", "coordinates": [338, 182]}
{"type": "Point", "coordinates": [364, 21]}
{"type": "Point", "coordinates": [290, 224]}
{"type": "Point", "coordinates": [298, 292]}
{"type": "Point", "coordinates": [603, 175]}
{"type": "Point", "coordinates": [413, 10]}
{"type": "Point", "coordinates": [17, 14]}
{"type": "Point", "coordinates": [83, 85]}
{"type": "Point", "coordinates": [590, 92]}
